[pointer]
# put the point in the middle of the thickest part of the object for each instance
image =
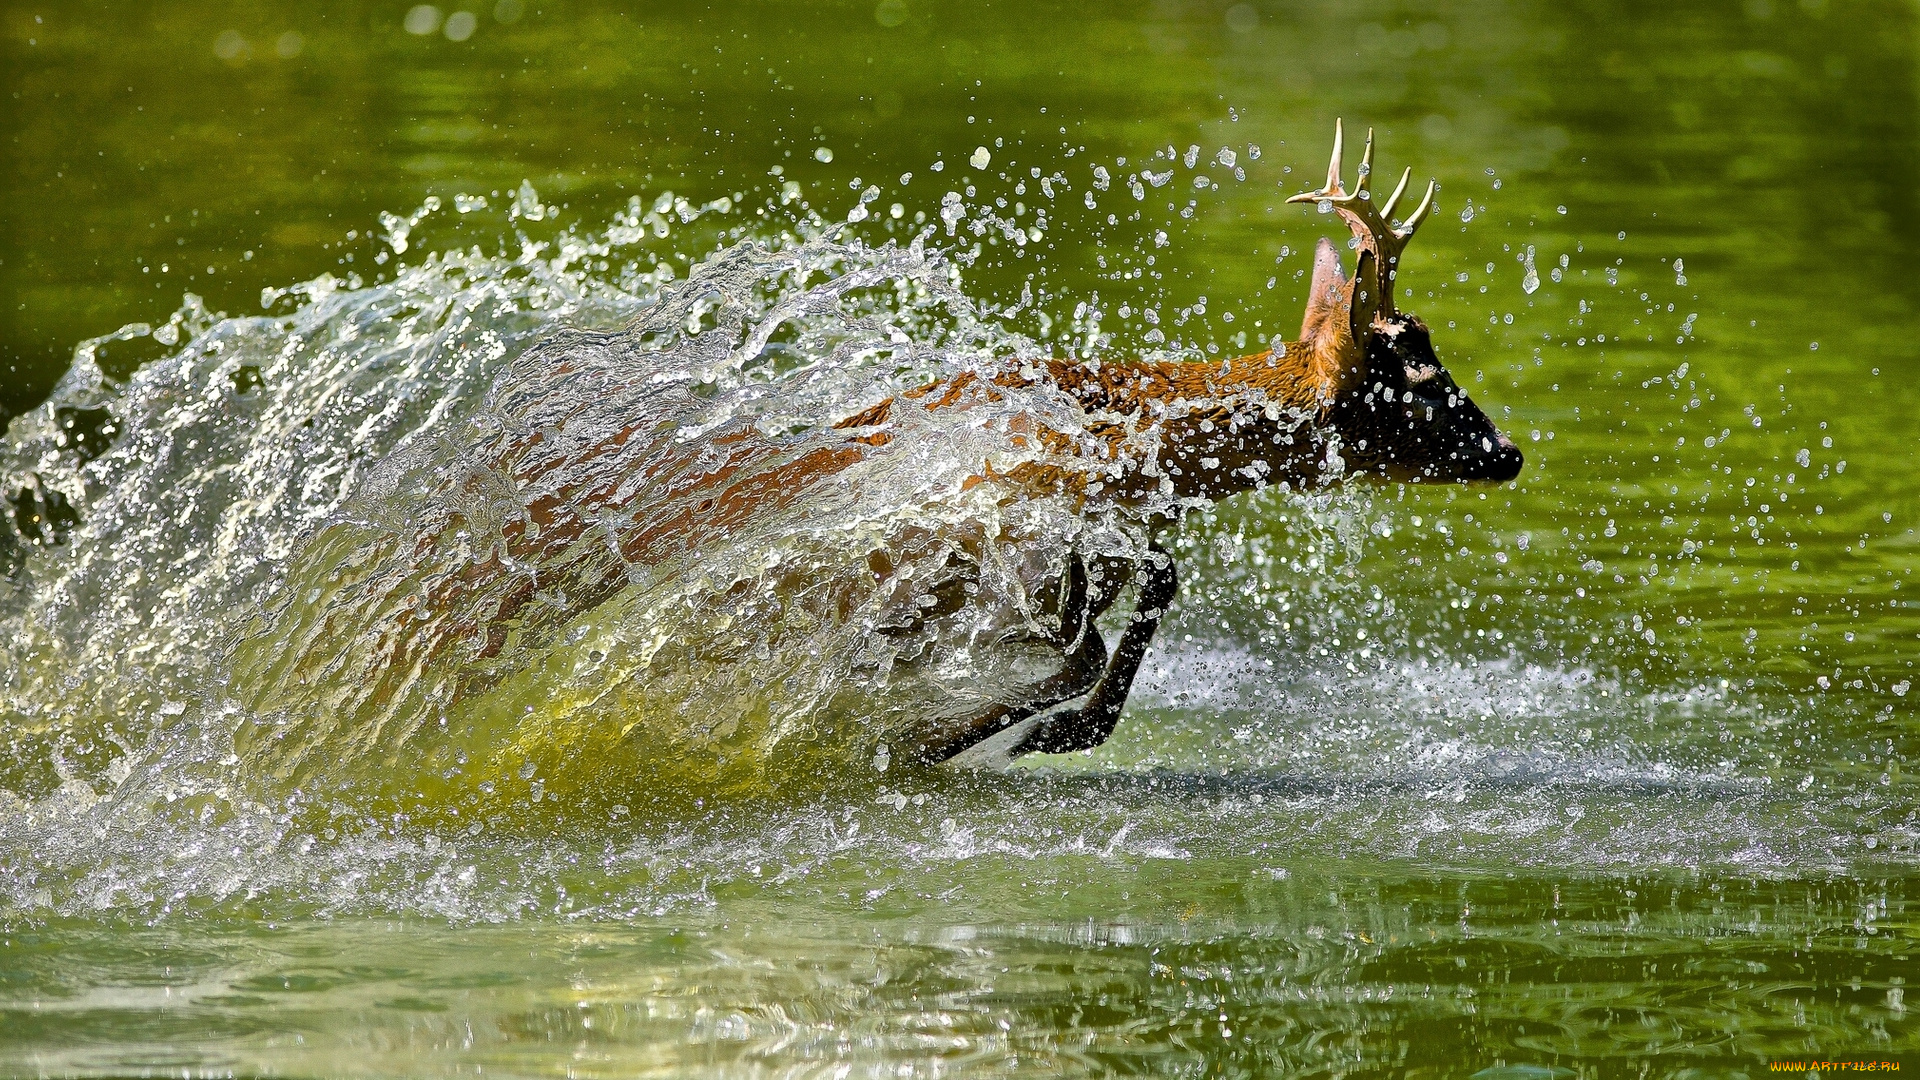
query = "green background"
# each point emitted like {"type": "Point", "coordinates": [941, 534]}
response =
{"type": "Point", "coordinates": [1735, 188]}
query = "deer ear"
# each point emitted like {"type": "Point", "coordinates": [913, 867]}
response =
{"type": "Point", "coordinates": [1333, 358]}
{"type": "Point", "coordinates": [1331, 312]}
{"type": "Point", "coordinates": [1328, 297]}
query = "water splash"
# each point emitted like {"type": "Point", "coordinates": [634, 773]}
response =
{"type": "Point", "coordinates": [252, 431]}
{"type": "Point", "coordinates": [324, 485]}
{"type": "Point", "coordinates": [520, 620]}
{"type": "Point", "coordinates": [371, 546]}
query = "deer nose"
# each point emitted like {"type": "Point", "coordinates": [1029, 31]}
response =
{"type": "Point", "coordinates": [1500, 463]}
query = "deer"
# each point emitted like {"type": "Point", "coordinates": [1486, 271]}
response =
{"type": "Point", "coordinates": [1360, 394]}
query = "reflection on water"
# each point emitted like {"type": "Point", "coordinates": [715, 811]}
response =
{"type": "Point", "coordinates": [1239, 969]}
{"type": "Point", "coordinates": [1605, 771]}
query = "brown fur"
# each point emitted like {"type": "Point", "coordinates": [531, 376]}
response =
{"type": "Point", "coordinates": [1243, 414]}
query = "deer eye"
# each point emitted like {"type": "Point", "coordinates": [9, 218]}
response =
{"type": "Point", "coordinates": [1428, 401]}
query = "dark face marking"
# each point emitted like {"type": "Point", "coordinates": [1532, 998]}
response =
{"type": "Point", "coordinates": [1409, 421]}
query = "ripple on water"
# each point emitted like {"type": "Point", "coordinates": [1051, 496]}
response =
{"type": "Point", "coordinates": [294, 457]}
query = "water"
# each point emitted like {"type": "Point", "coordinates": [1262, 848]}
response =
{"type": "Point", "coordinates": [1606, 770]}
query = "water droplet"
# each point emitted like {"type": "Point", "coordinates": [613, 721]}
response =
{"type": "Point", "coordinates": [461, 25]}
{"type": "Point", "coordinates": [422, 19]}
{"type": "Point", "coordinates": [231, 47]}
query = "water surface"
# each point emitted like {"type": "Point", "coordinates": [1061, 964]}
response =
{"type": "Point", "coordinates": [1606, 770]}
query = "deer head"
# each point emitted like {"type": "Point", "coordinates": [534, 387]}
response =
{"type": "Point", "coordinates": [1377, 380]}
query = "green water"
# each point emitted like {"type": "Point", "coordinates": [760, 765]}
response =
{"type": "Point", "coordinates": [1607, 770]}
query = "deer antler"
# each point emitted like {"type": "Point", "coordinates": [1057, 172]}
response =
{"type": "Point", "coordinates": [1372, 227]}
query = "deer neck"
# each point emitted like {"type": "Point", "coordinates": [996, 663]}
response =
{"type": "Point", "coordinates": [1258, 423]}
{"type": "Point", "coordinates": [1224, 426]}
{"type": "Point", "coordinates": [1302, 375]}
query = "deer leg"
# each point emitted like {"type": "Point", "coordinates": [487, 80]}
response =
{"type": "Point", "coordinates": [1089, 725]}
{"type": "Point", "coordinates": [1084, 664]}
